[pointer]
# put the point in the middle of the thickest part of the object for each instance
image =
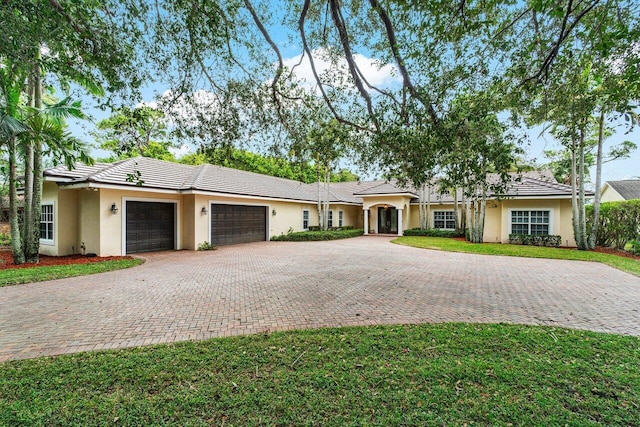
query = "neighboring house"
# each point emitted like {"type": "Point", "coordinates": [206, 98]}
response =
{"type": "Point", "coordinates": [615, 191]}
{"type": "Point", "coordinates": [141, 204]}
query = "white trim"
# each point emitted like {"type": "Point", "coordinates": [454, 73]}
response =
{"type": "Point", "coordinates": [57, 179]}
{"type": "Point", "coordinates": [433, 217]}
{"type": "Point", "coordinates": [118, 187]}
{"type": "Point", "coordinates": [308, 219]}
{"type": "Point", "coordinates": [385, 195]}
{"type": "Point", "coordinates": [48, 242]}
{"type": "Point", "coordinates": [123, 218]}
{"type": "Point", "coordinates": [219, 202]}
{"type": "Point", "coordinates": [550, 210]}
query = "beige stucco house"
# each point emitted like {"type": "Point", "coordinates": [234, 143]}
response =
{"type": "Point", "coordinates": [616, 191]}
{"type": "Point", "coordinates": [138, 205]}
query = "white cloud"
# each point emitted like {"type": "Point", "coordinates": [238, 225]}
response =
{"type": "Point", "coordinates": [377, 74]}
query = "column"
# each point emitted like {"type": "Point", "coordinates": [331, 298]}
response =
{"type": "Point", "coordinates": [399, 222]}
{"type": "Point", "coordinates": [366, 221]}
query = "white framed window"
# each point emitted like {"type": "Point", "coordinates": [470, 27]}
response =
{"type": "Point", "coordinates": [46, 223]}
{"type": "Point", "coordinates": [330, 221]}
{"type": "Point", "coordinates": [444, 220]}
{"type": "Point", "coordinates": [531, 222]}
{"type": "Point", "coordinates": [305, 219]}
{"type": "Point", "coordinates": [340, 218]}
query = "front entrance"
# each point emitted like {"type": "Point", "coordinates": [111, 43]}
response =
{"type": "Point", "coordinates": [387, 220]}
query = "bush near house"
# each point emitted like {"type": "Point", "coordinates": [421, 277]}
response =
{"type": "Point", "coordinates": [307, 236]}
{"type": "Point", "coordinates": [619, 223]}
{"type": "Point", "coordinates": [431, 232]}
{"type": "Point", "coordinates": [549, 240]}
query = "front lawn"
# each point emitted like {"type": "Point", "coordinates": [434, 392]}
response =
{"type": "Point", "coordinates": [447, 374]}
{"type": "Point", "coordinates": [629, 265]}
{"type": "Point", "coordinates": [15, 276]}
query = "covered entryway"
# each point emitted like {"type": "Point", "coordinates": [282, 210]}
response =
{"type": "Point", "coordinates": [150, 226]}
{"type": "Point", "coordinates": [387, 220]}
{"type": "Point", "coordinates": [238, 224]}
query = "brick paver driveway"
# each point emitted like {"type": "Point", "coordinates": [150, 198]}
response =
{"type": "Point", "coordinates": [275, 286]}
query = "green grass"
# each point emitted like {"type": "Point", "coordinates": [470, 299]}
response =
{"type": "Point", "coordinates": [447, 374]}
{"type": "Point", "coordinates": [451, 245]}
{"type": "Point", "coordinates": [16, 276]}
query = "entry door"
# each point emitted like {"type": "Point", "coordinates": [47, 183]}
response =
{"type": "Point", "coordinates": [387, 221]}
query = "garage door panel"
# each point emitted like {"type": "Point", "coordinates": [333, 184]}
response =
{"type": "Point", "coordinates": [238, 224]}
{"type": "Point", "coordinates": [150, 226]}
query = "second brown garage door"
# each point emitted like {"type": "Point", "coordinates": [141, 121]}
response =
{"type": "Point", "coordinates": [238, 224]}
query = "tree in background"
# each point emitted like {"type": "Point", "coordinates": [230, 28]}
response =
{"type": "Point", "coordinates": [129, 132]}
{"type": "Point", "coordinates": [49, 44]}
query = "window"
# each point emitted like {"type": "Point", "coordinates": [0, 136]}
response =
{"type": "Point", "coordinates": [340, 218]}
{"type": "Point", "coordinates": [330, 221]}
{"type": "Point", "coordinates": [444, 220]}
{"type": "Point", "coordinates": [530, 222]}
{"type": "Point", "coordinates": [305, 219]}
{"type": "Point", "coordinates": [46, 223]}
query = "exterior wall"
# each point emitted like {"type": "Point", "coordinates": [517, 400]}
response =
{"type": "Point", "coordinates": [610, 195]}
{"type": "Point", "coordinates": [493, 216]}
{"type": "Point", "coordinates": [560, 217]}
{"type": "Point", "coordinates": [111, 226]}
{"type": "Point", "coordinates": [372, 203]}
{"type": "Point", "coordinates": [415, 213]}
{"type": "Point", "coordinates": [89, 218]}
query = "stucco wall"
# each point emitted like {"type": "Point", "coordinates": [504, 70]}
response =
{"type": "Point", "coordinates": [50, 195]}
{"type": "Point", "coordinates": [110, 242]}
{"type": "Point", "coordinates": [560, 217]}
{"type": "Point", "coordinates": [89, 219]}
{"type": "Point", "coordinates": [610, 195]}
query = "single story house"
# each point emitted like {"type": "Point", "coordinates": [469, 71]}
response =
{"type": "Point", "coordinates": [141, 204]}
{"type": "Point", "coordinates": [616, 191]}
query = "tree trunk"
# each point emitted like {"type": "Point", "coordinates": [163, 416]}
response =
{"type": "Point", "coordinates": [422, 210]}
{"type": "Point", "coordinates": [16, 240]}
{"type": "Point", "coordinates": [320, 217]}
{"type": "Point", "coordinates": [456, 216]}
{"type": "Point", "coordinates": [428, 208]}
{"type": "Point", "coordinates": [574, 193]}
{"type": "Point", "coordinates": [327, 179]}
{"type": "Point", "coordinates": [595, 224]}
{"type": "Point", "coordinates": [32, 223]}
{"type": "Point", "coordinates": [582, 224]}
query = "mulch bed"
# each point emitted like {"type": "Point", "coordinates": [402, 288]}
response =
{"type": "Point", "coordinates": [6, 260]}
{"type": "Point", "coordinates": [618, 252]}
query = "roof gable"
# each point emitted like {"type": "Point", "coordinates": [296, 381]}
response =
{"type": "Point", "coordinates": [628, 188]}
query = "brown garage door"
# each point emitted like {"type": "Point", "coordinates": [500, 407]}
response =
{"type": "Point", "coordinates": [150, 226]}
{"type": "Point", "coordinates": [238, 224]}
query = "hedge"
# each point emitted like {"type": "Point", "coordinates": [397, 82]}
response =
{"type": "Point", "coordinates": [619, 223]}
{"type": "Point", "coordinates": [431, 232]}
{"type": "Point", "coordinates": [307, 236]}
{"type": "Point", "coordinates": [535, 240]}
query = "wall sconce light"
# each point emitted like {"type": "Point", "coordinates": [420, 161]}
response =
{"type": "Point", "coordinates": [273, 212]}
{"type": "Point", "coordinates": [203, 211]}
{"type": "Point", "coordinates": [114, 209]}
{"type": "Point", "coordinates": [386, 207]}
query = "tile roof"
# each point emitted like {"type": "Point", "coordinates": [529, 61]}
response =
{"type": "Point", "coordinates": [159, 174]}
{"type": "Point", "coordinates": [628, 188]}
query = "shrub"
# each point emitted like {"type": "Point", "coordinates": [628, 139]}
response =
{"type": "Point", "coordinates": [5, 239]}
{"type": "Point", "coordinates": [431, 232]}
{"type": "Point", "coordinates": [635, 247]}
{"type": "Point", "coordinates": [206, 246]}
{"type": "Point", "coordinates": [307, 236]}
{"type": "Point", "coordinates": [535, 240]}
{"type": "Point", "coordinates": [619, 223]}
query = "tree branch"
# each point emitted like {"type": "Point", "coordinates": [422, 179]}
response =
{"type": "Point", "coordinates": [393, 43]}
